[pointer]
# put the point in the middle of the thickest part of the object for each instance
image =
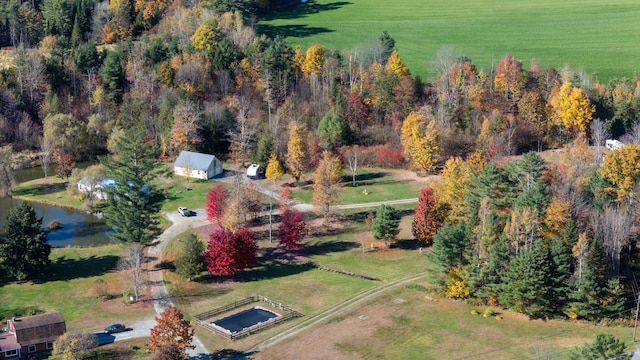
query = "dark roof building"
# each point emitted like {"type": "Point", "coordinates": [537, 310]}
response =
{"type": "Point", "coordinates": [31, 334]}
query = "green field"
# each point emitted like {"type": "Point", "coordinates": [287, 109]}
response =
{"type": "Point", "coordinates": [597, 36]}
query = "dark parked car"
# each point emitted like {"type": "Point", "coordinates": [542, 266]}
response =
{"type": "Point", "coordinates": [114, 328]}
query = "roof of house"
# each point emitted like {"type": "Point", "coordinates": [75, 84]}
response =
{"type": "Point", "coordinates": [194, 160]}
{"type": "Point", "coordinates": [8, 342]}
{"type": "Point", "coordinates": [39, 328]}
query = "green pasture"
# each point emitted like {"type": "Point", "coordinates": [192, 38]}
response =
{"type": "Point", "coordinates": [68, 286]}
{"type": "Point", "coordinates": [372, 185]}
{"type": "Point", "coordinates": [50, 191]}
{"type": "Point", "coordinates": [597, 36]}
{"type": "Point", "coordinates": [424, 326]}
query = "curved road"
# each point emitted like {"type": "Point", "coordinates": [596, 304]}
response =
{"type": "Point", "coordinates": [162, 300]}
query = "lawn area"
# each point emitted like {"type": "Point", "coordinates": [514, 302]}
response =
{"type": "Point", "coordinates": [50, 191]}
{"type": "Point", "coordinates": [598, 36]}
{"type": "Point", "coordinates": [411, 323]}
{"type": "Point", "coordinates": [68, 286]}
{"type": "Point", "coordinates": [380, 185]}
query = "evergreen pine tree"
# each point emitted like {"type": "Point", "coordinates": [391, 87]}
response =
{"type": "Point", "coordinates": [25, 251]}
{"type": "Point", "coordinates": [526, 284]}
{"type": "Point", "coordinates": [132, 200]}
{"type": "Point", "coordinates": [449, 245]}
{"type": "Point", "coordinates": [386, 223]}
{"type": "Point", "coordinates": [190, 263]}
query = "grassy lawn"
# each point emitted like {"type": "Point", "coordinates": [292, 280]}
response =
{"type": "Point", "coordinates": [68, 286]}
{"type": "Point", "coordinates": [411, 323]}
{"type": "Point", "coordinates": [380, 185]}
{"type": "Point", "coordinates": [51, 191]}
{"type": "Point", "coordinates": [595, 35]}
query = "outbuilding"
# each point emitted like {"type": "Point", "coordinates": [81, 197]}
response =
{"type": "Point", "coordinates": [197, 165]}
{"type": "Point", "coordinates": [254, 171]}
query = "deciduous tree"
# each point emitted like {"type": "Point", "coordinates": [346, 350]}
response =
{"type": "Point", "coordinates": [420, 139]}
{"type": "Point", "coordinates": [572, 108]}
{"type": "Point", "coordinates": [622, 168]}
{"type": "Point", "coordinates": [228, 252]}
{"type": "Point", "coordinates": [297, 150]}
{"type": "Point", "coordinates": [291, 229]}
{"type": "Point", "coordinates": [326, 184]}
{"type": "Point", "coordinates": [74, 346]}
{"type": "Point", "coordinates": [274, 172]}
{"type": "Point", "coordinates": [25, 252]}
{"type": "Point", "coordinates": [131, 263]}
{"type": "Point", "coordinates": [171, 329]}
{"type": "Point", "coordinates": [428, 217]}
{"type": "Point", "coordinates": [217, 199]}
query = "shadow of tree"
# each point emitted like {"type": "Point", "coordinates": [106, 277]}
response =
{"type": "Point", "coordinates": [226, 354]}
{"type": "Point", "coordinates": [68, 269]}
{"type": "Point", "coordinates": [326, 247]}
{"type": "Point", "coordinates": [42, 189]}
{"type": "Point", "coordinates": [298, 31]}
{"type": "Point", "coordinates": [363, 179]}
{"type": "Point", "coordinates": [303, 10]}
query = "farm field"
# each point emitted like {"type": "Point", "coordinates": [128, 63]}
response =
{"type": "Point", "coordinates": [596, 36]}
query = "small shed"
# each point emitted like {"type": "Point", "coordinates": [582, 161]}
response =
{"type": "Point", "coordinates": [613, 144]}
{"type": "Point", "coordinates": [253, 171]}
{"type": "Point", "coordinates": [197, 165]}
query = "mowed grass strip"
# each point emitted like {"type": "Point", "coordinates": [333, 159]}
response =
{"type": "Point", "coordinates": [598, 36]}
{"type": "Point", "coordinates": [372, 185]}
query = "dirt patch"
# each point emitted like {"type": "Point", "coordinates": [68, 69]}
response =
{"type": "Point", "coordinates": [332, 339]}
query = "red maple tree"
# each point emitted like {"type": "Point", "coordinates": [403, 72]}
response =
{"type": "Point", "coordinates": [291, 229]}
{"type": "Point", "coordinates": [171, 329]}
{"type": "Point", "coordinates": [216, 201]}
{"type": "Point", "coordinates": [428, 217]}
{"type": "Point", "coordinates": [229, 252]}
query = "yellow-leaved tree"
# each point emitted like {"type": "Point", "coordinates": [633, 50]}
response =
{"type": "Point", "coordinates": [456, 179]}
{"type": "Point", "coordinates": [326, 184]}
{"type": "Point", "coordinates": [421, 140]}
{"type": "Point", "coordinates": [622, 169]}
{"type": "Point", "coordinates": [296, 150]}
{"type": "Point", "coordinates": [556, 217]}
{"type": "Point", "coordinates": [204, 39]}
{"type": "Point", "coordinates": [274, 172]}
{"type": "Point", "coordinates": [313, 60]}
{"type": "Point", "coordinates": [572, 108]}
{"type": "Point", "coordinates": [396, 65]}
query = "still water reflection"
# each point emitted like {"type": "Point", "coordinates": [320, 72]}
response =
{"type": "Point", "coordinates": [79, 228]}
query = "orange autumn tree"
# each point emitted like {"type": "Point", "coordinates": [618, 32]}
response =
{"type": "Point", "coordinates": [171, 329]}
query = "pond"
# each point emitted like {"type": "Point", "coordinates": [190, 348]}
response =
{"type": "Point", "coordinates": [79, 227]}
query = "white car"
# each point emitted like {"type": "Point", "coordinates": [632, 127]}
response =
{"type": "Point", "coordinates": [184, 211]}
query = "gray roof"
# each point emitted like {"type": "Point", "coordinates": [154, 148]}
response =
{"type": "Point", "coordinates": [194, 160]}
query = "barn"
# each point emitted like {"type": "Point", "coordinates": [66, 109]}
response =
{"type": "Point", "coordinates": [197, 165]}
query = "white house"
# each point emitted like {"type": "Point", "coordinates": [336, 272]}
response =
{"type": "Point", "coordinates": [613, 144]}
{"type": "Point", "coordinates": [94, 188]}
{"type": "Point", "coordinates": [197, 165]}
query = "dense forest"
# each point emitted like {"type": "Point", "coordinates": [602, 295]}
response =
{"type": "Point", "coordinates": [543, 238]}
